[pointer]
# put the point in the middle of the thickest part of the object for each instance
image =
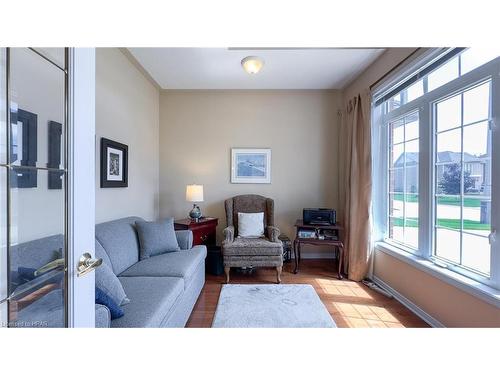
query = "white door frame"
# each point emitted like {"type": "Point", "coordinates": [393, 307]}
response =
{"type": "Point", "coordinates": [81, 184]}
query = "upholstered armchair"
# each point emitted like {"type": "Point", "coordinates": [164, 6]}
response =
{"type": "Point", "coordinates": [251, 252]}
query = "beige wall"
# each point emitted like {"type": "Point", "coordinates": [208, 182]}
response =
{"type": "Point", "coordinates": [127, 111]}
{"type": "Point", "coordinates": [199, 128]}
{"type": "Point", "coordinates": [387, 61]}
{"type": "Point", "coordinates": [449, 305]}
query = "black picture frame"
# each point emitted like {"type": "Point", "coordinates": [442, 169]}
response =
{"type": "Point", "coordinates": [54, 157]}
{"type": "Point", "coordinates": [105, 182]}
{"type": "Point", "coordinates": [28, 122]}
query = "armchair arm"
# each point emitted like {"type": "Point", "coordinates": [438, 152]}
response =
{"type": "Point", "coordinates": [229, 234]}
{"type": "Point", "coordinates": [184, 239]}
{"type": "Point", "coordinates": [273, 233]}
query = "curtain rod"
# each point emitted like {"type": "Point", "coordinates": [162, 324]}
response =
{"type": "Point", "coordinates": [394, 68]}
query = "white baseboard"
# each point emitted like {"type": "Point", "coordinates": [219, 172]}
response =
{"type": "Point", "coordinates": [409, 304]}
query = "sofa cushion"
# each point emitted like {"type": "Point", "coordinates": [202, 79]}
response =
{"type": "Point", "coordinates": [156, 237]}
{"type": "Point", "coordinates": [177, 264]}
{"type": "Point", "coordinates": [101, 253]}
{"type": "Point", "coordinates": [102, 298]}
{"type": "Point", "coordinates": [107, 281]}
{"type": "Point", "coordinates": [119, 239]}
{"type": "Point", "coordinates": [152, 299]}
{"type": "Point", "coordinates": [253, 246]}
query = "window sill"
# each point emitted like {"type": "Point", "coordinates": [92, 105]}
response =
{"type": "Point", "coordinates": [484, 292]}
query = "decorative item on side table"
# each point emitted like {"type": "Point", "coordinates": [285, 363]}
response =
{"type": "Point", "coordinates": [204, 233]}
{"type": "Point", "coordinates": [114, 164]}
{"type": "Point", "coordinates": [194, 194]}
{"type": "Point", "coordinates": [250, 166]}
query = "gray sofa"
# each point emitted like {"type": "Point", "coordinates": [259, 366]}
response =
{"type": "Point", "coordinates": [162, 289]}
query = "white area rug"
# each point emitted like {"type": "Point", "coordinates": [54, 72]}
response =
{"type": "Point", "coordinates": [271, 306]}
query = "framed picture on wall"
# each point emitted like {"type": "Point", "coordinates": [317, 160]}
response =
{"type": "Point", "coordinates": [114, 164]}
{"type": "Point", "coordinates": [251, 165]}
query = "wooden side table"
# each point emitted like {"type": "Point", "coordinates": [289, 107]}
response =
{"type": "Point", "coordinates": [204, 230]}
{"type": "Point", "coordinates": [338, 244]}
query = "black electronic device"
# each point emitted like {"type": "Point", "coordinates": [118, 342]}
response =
{"type": "Point", "coordinates": [319, 216]}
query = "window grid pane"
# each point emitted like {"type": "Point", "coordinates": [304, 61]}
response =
{"type": "Point", "coordinates": [463, 179]}
{"type": "Point", "coordinates": [403, 180]}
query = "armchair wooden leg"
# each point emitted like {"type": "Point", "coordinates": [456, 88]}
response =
{"type": "Point", "coordinates": [226, 270]}
{"type": "Point", "coordinates": [278, 273]}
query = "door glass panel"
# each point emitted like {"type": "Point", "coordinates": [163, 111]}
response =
{"type": "Point", "coordinates": [37, 199]}
{"type": "Point", "coordinates": [37, 110]}
{"type": "Point", "coordinates": [56, 55]}
{"type": "Point", "coordinates": [37, 252]}
{"type": "Point", "coordinates": [4, 318]}
{"type": "Point", "coordinates": [3, 98]}
{"type": "Point", "coordinates": [3, 233]}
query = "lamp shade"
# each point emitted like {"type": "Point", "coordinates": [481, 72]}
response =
{"type": "Point", "coordinates": [194, 193]}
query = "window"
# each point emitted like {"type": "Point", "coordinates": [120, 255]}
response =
{"type": "Point", "coordinates": [462, 196]}
{"type": "Point", "coordinates": [438, 152]}
{"type": "Point", "coordinates": [403, 180]}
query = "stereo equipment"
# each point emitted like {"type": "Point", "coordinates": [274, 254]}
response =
{"type": "Point", "coordinates": [319, 216]}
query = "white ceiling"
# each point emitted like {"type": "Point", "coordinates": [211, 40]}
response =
{"type": "Point", "coordinates": [284, 68]}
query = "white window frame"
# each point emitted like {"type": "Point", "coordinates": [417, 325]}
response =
{"type": "Point", "coordinates": [380, 143]}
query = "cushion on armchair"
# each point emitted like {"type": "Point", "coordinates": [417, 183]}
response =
{"type": "Point", "coordinates": [251, 225]}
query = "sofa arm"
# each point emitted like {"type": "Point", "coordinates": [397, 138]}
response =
{"type": "Point", "coordinates": [229, 234]}
{"type": "Point", "coordinates": [184, 239]}
{"type": "Point", "coordinates": [273, 233]}
{"type": "Point", "coordinates": [102, 316]}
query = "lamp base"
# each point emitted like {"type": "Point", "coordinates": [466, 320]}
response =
{"type": "Point", "coordinates": [195, 213]}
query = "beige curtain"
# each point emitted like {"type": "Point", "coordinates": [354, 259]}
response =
{"type": "Point", "coordinates": [355, 184]}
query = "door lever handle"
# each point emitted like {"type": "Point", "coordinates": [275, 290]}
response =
{"type": "Point", "coordinates": [87, 264]}
{"type": "Point", "coordinates": [50, 266]}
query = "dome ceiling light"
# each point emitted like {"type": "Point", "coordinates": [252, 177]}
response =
{"type": "Point", "coordinates": [252, 64]}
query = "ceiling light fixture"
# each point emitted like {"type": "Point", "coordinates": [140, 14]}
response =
{"type": "Point", "coordinates": [252, 64]}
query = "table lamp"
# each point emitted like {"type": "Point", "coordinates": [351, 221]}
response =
{"type": "Point", "coordinates": [194, 193]}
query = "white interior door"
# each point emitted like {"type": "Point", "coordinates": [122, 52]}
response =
{"type": "Point", "coordinates": [47, 130]}
{"type": "Point", "coordinates": [82, 185]}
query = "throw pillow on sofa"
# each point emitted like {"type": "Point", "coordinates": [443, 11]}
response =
{"type": "Point", "coordinates": [104, 299]}
{"type": "Point", "coordinates": [156, 237]}
{"type": "Point", "coordinates": [106, 280]}
{"type": "Point", "coordinates": [251, 225]}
